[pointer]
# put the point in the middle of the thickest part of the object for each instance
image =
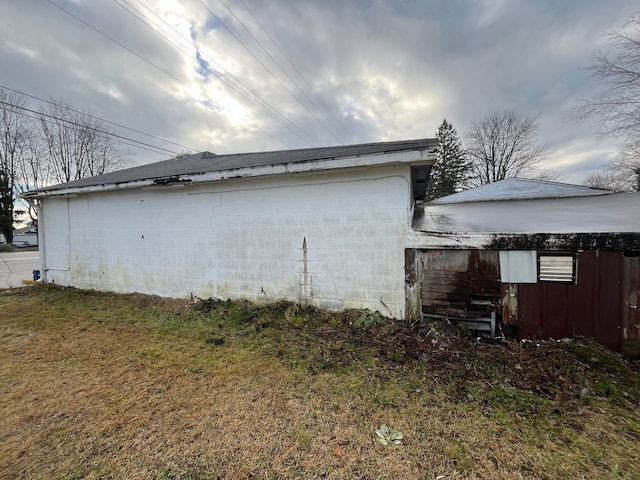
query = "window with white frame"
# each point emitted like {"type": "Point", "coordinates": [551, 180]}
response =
{"type": "Point", "coordinates": [557, 267]}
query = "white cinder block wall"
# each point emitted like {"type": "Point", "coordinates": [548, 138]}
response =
{"type": "Point", "coordinates": [334, 240]}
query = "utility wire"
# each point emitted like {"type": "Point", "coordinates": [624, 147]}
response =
{"type": "Point", "coordinates": [232, 81]}
{"type": "Point", "coordinates": [343, 138]}
{"type": "Point", "coordinates": [288, 59]}
{"type": "Point", "coordinates": [149, 62]}
{"type": "Point", "coordinates": [97, 118]}
{"type": "Point", "coordinates": [261, 63]}
{"type": "Point", "coordinates": [77, 126]}
{"type": "Point", "coordinates": [116, 138]}
{"type": "Point", "coordinates": [253, 97]}
{"type": "Point", "coordinates": [77, 129]}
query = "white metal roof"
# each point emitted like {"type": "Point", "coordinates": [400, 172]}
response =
{"type": "Point", "coordinates": [617, 212]}
{"type": "Point", "coordinates": [520, 188]}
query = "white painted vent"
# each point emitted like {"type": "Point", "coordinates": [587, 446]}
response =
{"type": "Point", "coordinates": [559, 268]}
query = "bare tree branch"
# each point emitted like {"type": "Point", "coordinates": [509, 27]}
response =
{"type": "Point", "coordinates": [503, 145]}
{"type": "Point", "coordinates": [13, 134]}
{"type": "Point", "coordinates": [615, 110]}
{"type": "Point", "coordinates": [59, 145]}
{"type": "Point", "coordinates": [78, 145]}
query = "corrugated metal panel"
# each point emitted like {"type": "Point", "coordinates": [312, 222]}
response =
{"type": "Point", "coordinates": [591, 307]}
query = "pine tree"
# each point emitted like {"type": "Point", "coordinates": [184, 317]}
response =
{"type": "Point", "coordinates": [452, 169]}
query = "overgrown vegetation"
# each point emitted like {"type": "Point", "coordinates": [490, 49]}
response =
{"type": "Point", "coordinates": [96, 385]}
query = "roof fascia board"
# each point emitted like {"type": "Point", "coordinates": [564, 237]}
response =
{"type": "Point", "coordinates": [448, 240]}
{"type": "Point", "coordinates": [409, 158]}
{"type": "Point", "coordinates": [524, 241]}
{"type": "Point", "coordinates": [376, 160]}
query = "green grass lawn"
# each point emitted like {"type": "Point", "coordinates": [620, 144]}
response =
{"type": "Point", "coordinates": [96, 385]}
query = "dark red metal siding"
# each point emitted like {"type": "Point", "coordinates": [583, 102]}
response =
{"type": "Point", "coordinates": [608, 322]}
{"type": "Point", "coordinates": [592, 307]}
{"type": "Point", "coordinates": [584, 306]}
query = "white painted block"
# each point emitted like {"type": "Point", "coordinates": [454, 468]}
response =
{"type": "Point", "coordinates": [237, 238]}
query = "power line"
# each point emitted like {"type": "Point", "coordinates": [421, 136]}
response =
{"type": "Point", "coordinates": [262, 63]}
{"type": "Point", "coordinates": [254, 98]}
{"type": "Point", "coordinates": [311, 89]}
{"type": "Point", "coordinates": [344, 139]}
{"type": "Point", "coordinates": [97, 118]}
{"type": "Point", "coordinates": [248, 93]}
{"type": "Point", "coordinates": [76, 126]}
{"type": "Point", "coordinates": [163, 70]}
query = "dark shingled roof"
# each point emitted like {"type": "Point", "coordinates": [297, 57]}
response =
{"type": "Point", "coordinates": [206, 162]}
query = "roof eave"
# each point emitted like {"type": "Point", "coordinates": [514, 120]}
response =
{"type": "Point", "coordinates": [424, 156]}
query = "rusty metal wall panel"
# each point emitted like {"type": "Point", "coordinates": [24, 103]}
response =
{"type": "Point", "coordinates": [509, 303]}
{"type": "Point", "coordinates": [453, 278]}
{"type": "Point", "coordinates": [592, 307]}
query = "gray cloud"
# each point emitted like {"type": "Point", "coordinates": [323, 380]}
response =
{"type": "Point", "coordinates": [380, 70]}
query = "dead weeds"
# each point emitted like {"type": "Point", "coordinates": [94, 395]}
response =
{"type": "Point", "coordinates": [96, 385]}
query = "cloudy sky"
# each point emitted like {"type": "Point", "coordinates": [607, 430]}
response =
{"type": "Point", "coordinates": [233, 76]}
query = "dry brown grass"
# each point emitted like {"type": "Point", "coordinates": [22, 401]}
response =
{"type": "Point", "coordinates": [107, 386]}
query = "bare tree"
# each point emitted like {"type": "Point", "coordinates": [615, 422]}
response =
{"type": "Point", "coordinates": [615, 110]}
{"type": "Point", "coordinates": [58, 146]}
{"type": "Point", "coordinates": [627, 166]}
{"type": "Point", "coordinates": [502, 145]}
{"type": "Point", "coordinates": [13, 135]}
{"type": "Point", "coordinates": [33, 171]}
{"type": "Point", "coordinates": [622, 175]}
{"type": "Point", "coordinates": [547, 175]}
{"type": "Point", "coordinates": [606, 180]}
{"type": "Point", "coordinates": [78, 145]}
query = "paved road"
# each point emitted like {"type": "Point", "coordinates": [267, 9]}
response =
{"type": "Point", "coordinates": [16, 266]}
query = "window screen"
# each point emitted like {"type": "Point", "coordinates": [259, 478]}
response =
{"type": "Point", "coordinates": [556, 267]}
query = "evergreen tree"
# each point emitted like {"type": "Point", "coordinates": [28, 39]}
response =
{"type": "Point", "coordinates": [452, 169]}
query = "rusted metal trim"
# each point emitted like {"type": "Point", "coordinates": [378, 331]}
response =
{"type": "Point", "coordinates": [568, 241]}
